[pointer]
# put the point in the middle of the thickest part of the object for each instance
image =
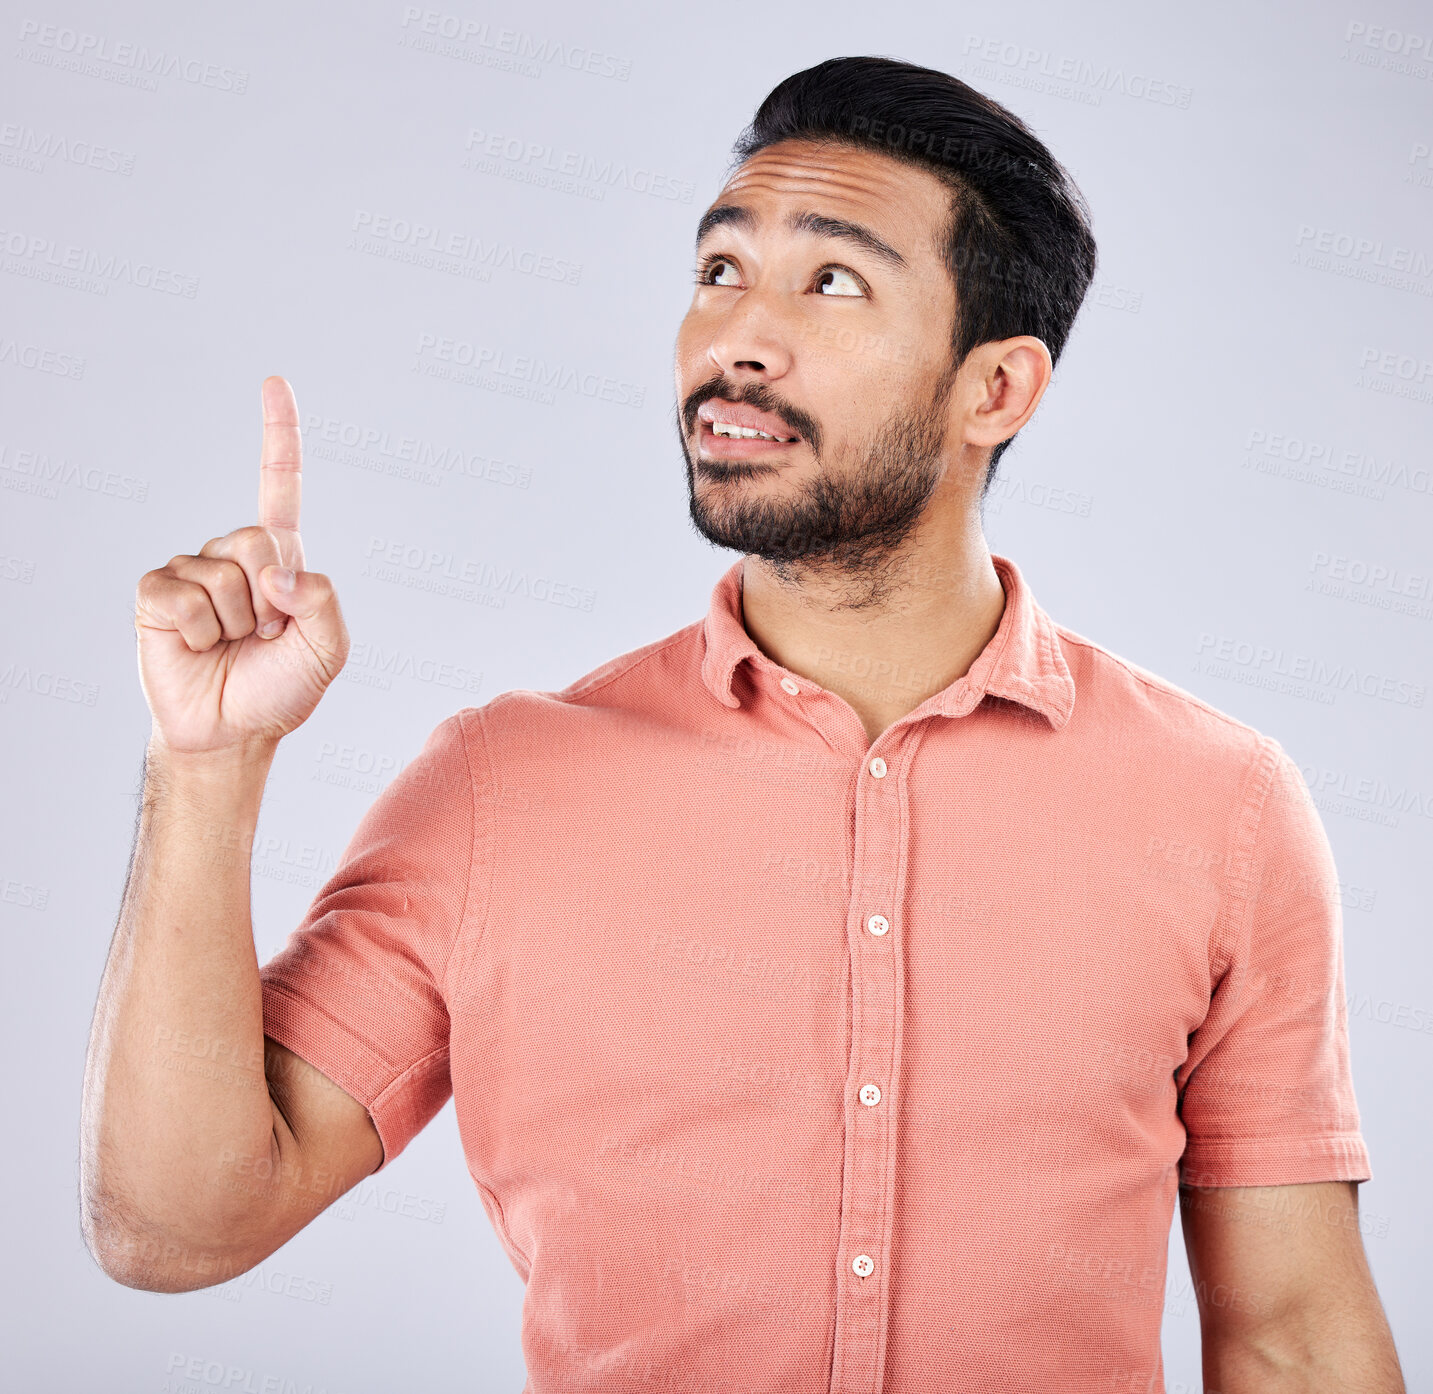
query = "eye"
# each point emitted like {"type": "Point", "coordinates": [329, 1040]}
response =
{"type": "Point", "coordinates": [835, 279]}
{"type": "Point", "coordinates": [712, 262]}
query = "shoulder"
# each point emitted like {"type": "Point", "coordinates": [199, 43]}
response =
{"type": "Point", "coordinates": [1146, 717]}
{"type": "Point", "coordinates": [637, 684]}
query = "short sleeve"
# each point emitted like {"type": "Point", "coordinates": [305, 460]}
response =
{"type": "Point", "coordinates": [357, 989]}
{"type": "Point", "coordinates": [1266, 1091]}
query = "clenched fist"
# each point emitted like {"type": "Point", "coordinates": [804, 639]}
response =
{"type": "Point", "coordinates": [238, 643]}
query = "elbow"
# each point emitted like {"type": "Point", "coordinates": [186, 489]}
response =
{"type": "Point", "coordinates": [118, 1256]}
{"type": "Point", "coordinates": [146, 1261]}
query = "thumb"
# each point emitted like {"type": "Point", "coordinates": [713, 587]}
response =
{"type": "Point", "coordinates": [312, 605]}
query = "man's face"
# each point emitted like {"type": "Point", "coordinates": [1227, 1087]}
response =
{"type": "Point", "coordinates": [834, 337]}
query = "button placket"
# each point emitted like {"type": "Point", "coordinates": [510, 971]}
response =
{"type": "Point", "coordinates": [878, 870]}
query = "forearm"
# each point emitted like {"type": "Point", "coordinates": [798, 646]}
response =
{"type": "Point", "coordinates": [175, 1086]}
{"type": "Point", "coordinates": [1350, 1351]}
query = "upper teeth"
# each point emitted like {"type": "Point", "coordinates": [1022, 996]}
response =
{"type": "Point", "coordinates": [720, 428]}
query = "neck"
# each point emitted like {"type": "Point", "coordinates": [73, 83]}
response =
{"type": "Point", "coordinates": [887, 637]}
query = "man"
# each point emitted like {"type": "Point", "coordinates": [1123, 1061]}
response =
{"type": "Point", "coordinates": [836, 993]}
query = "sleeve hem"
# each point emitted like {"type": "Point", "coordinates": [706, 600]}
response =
{"type": "Point", "coordinates": [334, 1051]}
{"type": "Point", "coordinates": [1276, 1161]}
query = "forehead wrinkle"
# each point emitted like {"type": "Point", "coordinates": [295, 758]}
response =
{"type": "Point", "coordinates": [852, 170]}
{"type": "Point", "coordinates": [803, 181]}
{"type": "Point", "coordinates": [868, 179]}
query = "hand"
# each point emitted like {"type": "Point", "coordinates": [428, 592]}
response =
{"type": "Point", "coordinates": [214, 682]}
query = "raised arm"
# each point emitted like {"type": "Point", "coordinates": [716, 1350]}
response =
{"type": "Point", "coordinates": [205, 1145]}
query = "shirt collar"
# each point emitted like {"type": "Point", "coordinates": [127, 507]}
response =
{"type": "Point", "coordinates": [1022, 662]}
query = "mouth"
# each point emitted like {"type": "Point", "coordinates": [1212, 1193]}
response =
{"type": "Point", "coordinates": [733, 431]}
{"type": "Point", "coordinates": [715, 444]}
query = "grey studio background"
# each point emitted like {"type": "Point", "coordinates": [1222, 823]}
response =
{"type": "Point", "coordinates": [1228, 483]}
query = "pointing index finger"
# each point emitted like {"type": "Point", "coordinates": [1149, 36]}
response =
{"type": "Point", "coordinates": [281, 459]}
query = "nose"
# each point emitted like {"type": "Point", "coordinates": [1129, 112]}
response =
{"type": "Point", "coordinates": [750, 340]}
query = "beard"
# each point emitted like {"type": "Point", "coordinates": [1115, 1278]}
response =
{"type": "Point", "coordinates": [847, 521]}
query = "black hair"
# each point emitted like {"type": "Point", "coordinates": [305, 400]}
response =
{"type": "Point", "coordinates": [1018, 224]}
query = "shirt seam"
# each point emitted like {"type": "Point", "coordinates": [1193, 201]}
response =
{"type": "Point", "coordinates": [1153, 682]}
{"type": "Point", "coordinates": [472, 853]}
{"type": "Point", "coordinates": [1203, 1142]}
{"type": "Point", "coordinates": [1243, 842]}
{"type": "Point", "coordinates": [585, 687]}
{"type": "Point", "coordinates": [505, 1232]}
{"type": "Point", "coordinates": [403, 1076]}
{"type": "Point", "coordinates": [1311, 1151]}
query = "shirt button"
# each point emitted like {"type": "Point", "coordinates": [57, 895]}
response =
{"type": "Point", "coordinates": [789, 686]}
{"type": "Point", "coordinates": [862, 1265]}
{"type": "Point", "coordinates": [878, 767]}
{"type": "Point", "coordinates": [878, 924]}
{"type": "Point", "coordinates": [870, 1094]}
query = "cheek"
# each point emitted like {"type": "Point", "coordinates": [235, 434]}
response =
{"type": "Point", "coordinates": [692, 363]}
{"type": "Point", "coordinates": [847, 357]}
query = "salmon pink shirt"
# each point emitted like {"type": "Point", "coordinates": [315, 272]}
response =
{"type": "Point", "coordinates": [789, 1061]}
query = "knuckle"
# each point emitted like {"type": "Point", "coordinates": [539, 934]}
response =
{"type": "Point", "coordinates": [154, 583]}
{"type": "Point", "coordinates": [255, 544]}
{"type": "Point", "coordinates": [192, 603]}
{"type": "Point", "coordinates": [230, 577]}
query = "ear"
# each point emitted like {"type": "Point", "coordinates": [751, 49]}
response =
{"type": "Point", "coordinates": [1003, 382]}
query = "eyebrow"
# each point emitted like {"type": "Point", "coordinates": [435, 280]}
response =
{"type": "Point", "coordinates": [739, 215]}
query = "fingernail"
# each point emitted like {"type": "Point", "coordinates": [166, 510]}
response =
{"type": "Point", "coordinates": [282, 578]}
{"type": "Point", "coordinates": [273, 627]}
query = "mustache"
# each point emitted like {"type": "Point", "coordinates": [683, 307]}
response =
{"type": "Point", "coordinates": [754, 394]}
